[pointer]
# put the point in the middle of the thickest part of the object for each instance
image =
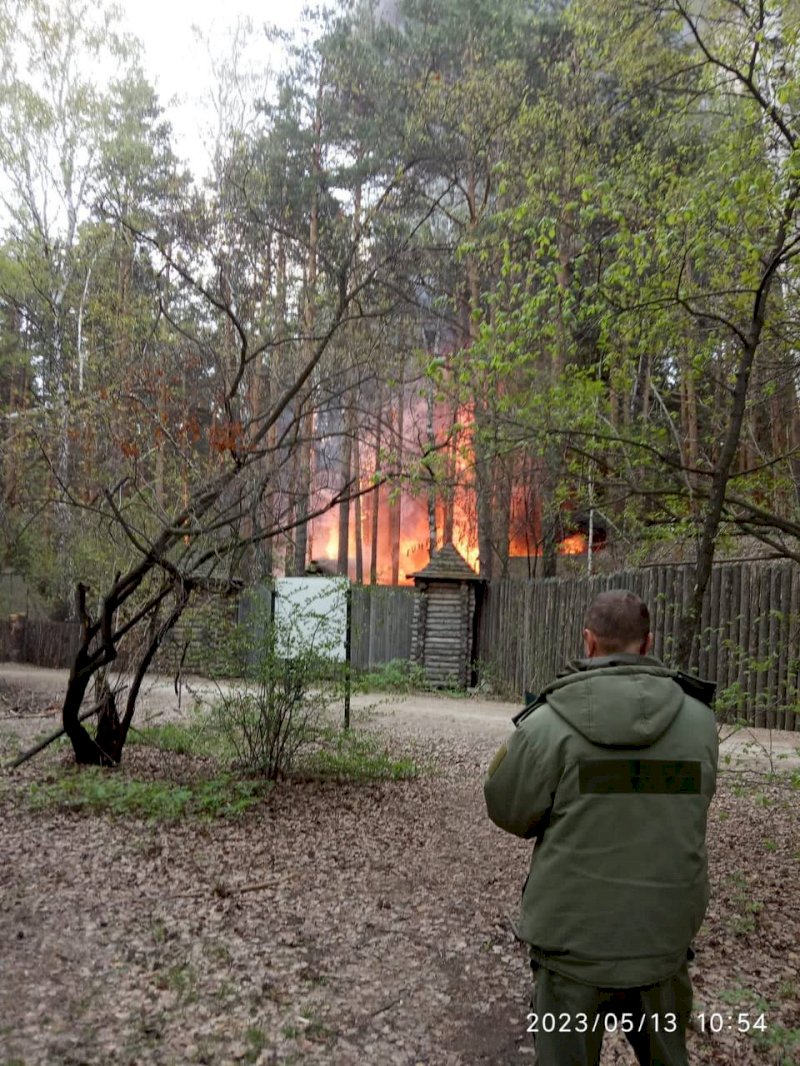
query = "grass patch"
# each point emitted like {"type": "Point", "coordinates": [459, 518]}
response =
{"type": "Point", "coordinates": [307, 1026]}
{"type": "Point", "coordinates": [180, 979]}
{"type": "Point", "coordinates": [257, 1041]}
{"type": "Point", "coordinates": [745, 910]}
{"type": "Point", "coordinates": [106, 792]}
{"type": "Point", "coordinates": [349, 755]}
{"type": "Point", "coordinates": [183, 738]}
{"type": "Point", "coordinates": [398, 675]}
{"type": "Point", "coordinates": [780, 1043]}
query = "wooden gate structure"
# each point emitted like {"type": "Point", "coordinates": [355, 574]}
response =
{"type": "Point", "coordinates": [443, 639]}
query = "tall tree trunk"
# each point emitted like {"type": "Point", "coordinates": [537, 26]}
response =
{"type": "Point", "coordinates": [396, 500]}
{"type": "Point", "coordinates": [302, 490]}
{"type": "Point", "coordinates": [279, 503]}
{"type": "Point", "coordinates": [502, 509]}
{"type": "Point", "coordinates": [359, 539]}
{"type": "Point", "coordinates": [450, 481]}
{"type": "Point", "coordinates": [749, 342]}
{"type": "Point", "coordinates": [162, 415]}
{"type": "Point", "coordinates": [344, 506]}
{"type": "Point", "coordinates": [431, 494]}
{"type": "Point", "coordinates": [375, 495]}
{"type": "Point", "coordinates": [309, 323]}
{"type": "Point", "coordinates": [689, 425]}
{"type": "Point", "coordinates": [483, 499]}
{"type": "Point", "coordinates": [162, 409]}
{"type": "Point", "coordinates": [61, 467]}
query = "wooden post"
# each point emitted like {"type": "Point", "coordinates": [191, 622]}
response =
{"type": "Point", "coordinates": [17, 623]}
{"type": "Point", "coordinates": [347, 654]}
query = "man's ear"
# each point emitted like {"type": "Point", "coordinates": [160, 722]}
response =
{"type": "Point", "coordinates": [589, 643]}
{"type": "Point", "coordinates": [647, 644]}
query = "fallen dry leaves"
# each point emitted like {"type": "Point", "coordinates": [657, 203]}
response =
{"type": "Point", "coordinates": [338, 924]}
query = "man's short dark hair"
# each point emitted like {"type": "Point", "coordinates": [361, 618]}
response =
{"type": "Point", "coordinates": [618, 618]}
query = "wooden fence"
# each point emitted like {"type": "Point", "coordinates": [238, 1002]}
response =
{"type": "Point", "coordinates": [381, 624]}
{"type": "Point", "coordinates": [44, 643]}
{"type": "Point", "coordinates": [750, 640]}
{"type": "Point", "coordinates": [381, 619]}
{"type": "Point", "coordinates": [749, 643]}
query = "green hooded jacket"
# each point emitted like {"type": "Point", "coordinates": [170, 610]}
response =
{"type": "Point", "coordinates": [612, 774]}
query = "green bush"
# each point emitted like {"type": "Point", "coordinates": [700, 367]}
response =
{"type": "Point", "coordinates": [277, 708]}
{"type": "Point", "coordinates": [180, 737]}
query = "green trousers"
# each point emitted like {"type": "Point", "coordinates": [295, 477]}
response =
{"type": "Point", "coordinates": [570, 1019]}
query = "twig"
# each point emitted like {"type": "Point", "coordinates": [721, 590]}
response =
{"type": "Point", "coordinates": [48, 740]}
{"type": "Point", "coordinates": [257, 886]}
{"type": "Point", "coordinates": [397, 1000]}
{"type": "Point", "coordinates": [223, 891]}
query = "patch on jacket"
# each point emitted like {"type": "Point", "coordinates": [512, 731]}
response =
{"type": "Point", "coordinates": [661, 777]}
{"type": "Point", "coordinates": [499, 755]}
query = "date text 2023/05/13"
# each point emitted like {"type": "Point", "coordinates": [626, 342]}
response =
{"type": "Point", "coordinates": [704, 1021]}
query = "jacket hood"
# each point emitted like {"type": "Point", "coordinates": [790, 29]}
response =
{"type": "Point", "coordinates": [618, 701]}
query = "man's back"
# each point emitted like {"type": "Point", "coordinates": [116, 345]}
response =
{"type": "Point", "coordinates": [613, 775]}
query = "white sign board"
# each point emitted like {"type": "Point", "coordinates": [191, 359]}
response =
{"type": "Point", "coordinates": [311, 615]}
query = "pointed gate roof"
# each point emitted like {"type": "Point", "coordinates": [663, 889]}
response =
{"type": "Point", "coordinates": [447, 564]}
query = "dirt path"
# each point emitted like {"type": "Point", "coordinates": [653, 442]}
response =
{"type": "Point", "coordinates": [418, 715]}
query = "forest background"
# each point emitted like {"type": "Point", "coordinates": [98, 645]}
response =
{"type": "Point", "coordinates": [496, 273]}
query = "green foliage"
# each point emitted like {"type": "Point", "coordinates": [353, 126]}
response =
{"type": "Point", "coordinates": [490, 680]}
{"type": "Point", "coordinates": [638, 214]}
{"type": "Point", "coordinates": [257, 1041]}
{"type": "Point", "coordinates": [744, 909]}
{"type": "Point", "coordinates": [180, 979]}
{"type": "Point", "coordinates": [398, 675]}
{"type": "Point", "coordinates": [326, 752]}
{"type": "Point", "coordinates": [103, 792]}
{"type": "Point", "coordinates": [183, 738]}
{"type": "Point", "coordinates": [267, 727]}
{"type": "Point", "coordinates": [581, 199]}
{"type": "Point", "coordinates": [348, 755]}
{"type": "Point", "coordinates": [777, 1041]}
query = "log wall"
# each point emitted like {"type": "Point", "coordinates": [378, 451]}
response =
{"type": "Point", "coordinates": [442, 640]}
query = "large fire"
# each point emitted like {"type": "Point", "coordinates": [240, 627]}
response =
{"type": "Point", "coordinates": [399, 556]}
{"type": "Point", "coordinates": [413, 544]}
{"type": "Point", "coordinates": [414, 552]}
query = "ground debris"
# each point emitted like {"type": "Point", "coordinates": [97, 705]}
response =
{"type": "Point", "coordinates": [341, 924]}
{"type": "Point", "coordinates": [26, 703]}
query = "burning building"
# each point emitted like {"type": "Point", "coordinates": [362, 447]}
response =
{"type": "Point", "coordinates": [393, 528]}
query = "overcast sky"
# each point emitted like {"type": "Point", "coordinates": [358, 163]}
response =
{"type": "Point", "coordinates": [179, 65]}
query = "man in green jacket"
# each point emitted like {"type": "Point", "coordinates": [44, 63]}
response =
{"type": "Point", "coordinates": [612, 773]}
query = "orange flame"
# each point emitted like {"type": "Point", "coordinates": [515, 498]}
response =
{"type": "Point", "coordinates": [466, 547]}
{"type": "Point", "coordinates": [575, 544]}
